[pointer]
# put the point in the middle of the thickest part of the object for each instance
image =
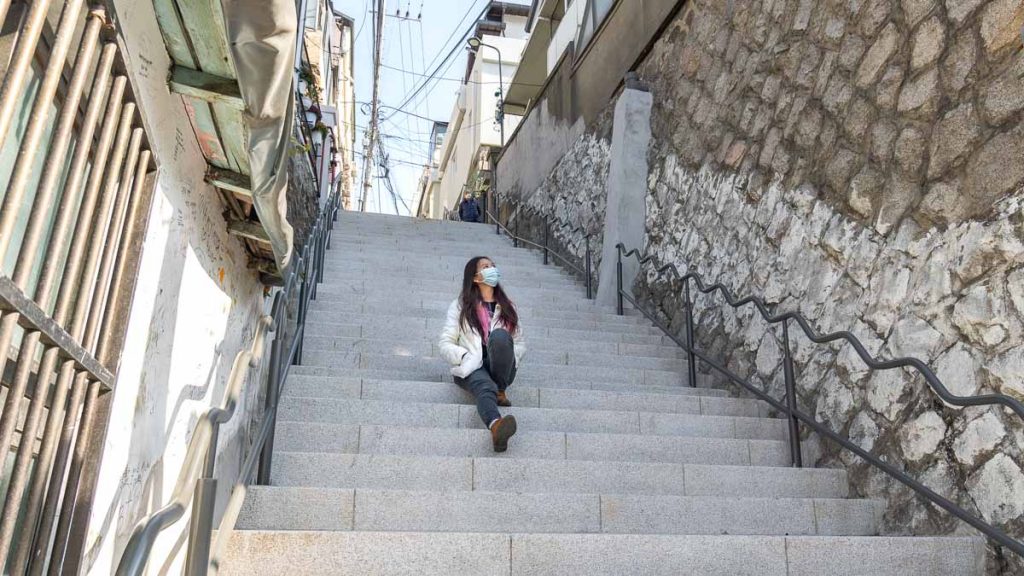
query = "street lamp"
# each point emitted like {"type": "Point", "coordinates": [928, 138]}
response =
{"type": "Point", "coordinates": [499, 114]}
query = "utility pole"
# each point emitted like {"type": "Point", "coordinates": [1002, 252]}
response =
{"type": "Point", "coordinates": [375, 108]}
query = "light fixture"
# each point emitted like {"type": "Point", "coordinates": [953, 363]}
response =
{"type": "Point", "coordinates": [473, 42]}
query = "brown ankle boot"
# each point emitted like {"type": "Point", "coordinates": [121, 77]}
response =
{"type": "Point", "coordinates": [503, 399]}
{"type": "Point", "coordinates": [501, 431]}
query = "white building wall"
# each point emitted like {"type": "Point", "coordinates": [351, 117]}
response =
{"type": "Point", "coordinates": [463, 142]}
{"type": "Point", "coordinates": [196, 304]}
{"type": "Point", "coordinates": [567, 31]}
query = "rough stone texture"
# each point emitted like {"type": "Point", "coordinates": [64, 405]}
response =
{"type": "Point", "coordinates": [861, 166]}
{"type": "Point", "coordinates": [302, 199]}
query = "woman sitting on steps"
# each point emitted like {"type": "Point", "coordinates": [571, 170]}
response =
{"type": "Point", "coordinates": [477, 341]}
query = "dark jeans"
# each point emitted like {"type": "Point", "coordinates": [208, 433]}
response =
{"type": "Point", "coordinates": [497, 373]}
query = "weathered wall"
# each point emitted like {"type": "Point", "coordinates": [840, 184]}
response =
{"type": "Point", "coordinates": [196, 305]}
{"type": "Point", "coordinates": [858, 161]}
{"type": "Point", "coordinates": [303, 204]}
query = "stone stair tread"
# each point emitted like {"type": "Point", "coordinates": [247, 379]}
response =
{"type": "Point", "coordinates": [441, 473]}
{"type": "Point", "coordinates": [332, 553]}
{"type": "Point", "coordinates": [434, 415]}
{"type": "Point", "coordinates": [299, 375]}
{"type": "Point", "coordinates": [330, 437]}
{"type": "Point", "coordinates": [297, 508]}
{"type": "Point", "coordinates": [529, 397]}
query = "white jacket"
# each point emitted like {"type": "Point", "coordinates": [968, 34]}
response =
{"type": "Point", "coordinates": [463, 348]}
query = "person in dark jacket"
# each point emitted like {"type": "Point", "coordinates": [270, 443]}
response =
{"type": "Point", "coordinates": [469, 209]}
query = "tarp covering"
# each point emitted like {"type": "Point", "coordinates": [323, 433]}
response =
{"type": "Point", "coordinates": [262, 37]}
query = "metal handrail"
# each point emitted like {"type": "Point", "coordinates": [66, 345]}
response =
{"type": "Point", "coordinates": [195, 480]}
{"type": "Point", "coordinates": [796, 415]}
{"type": "Point", "coordinates": [586, 271]}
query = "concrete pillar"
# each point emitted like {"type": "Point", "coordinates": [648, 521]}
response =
{"type": "Point", "coordinates": [626, 214]}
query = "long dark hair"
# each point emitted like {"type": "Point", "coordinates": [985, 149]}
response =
{"type": "Point", "coordinates": [470, 298]}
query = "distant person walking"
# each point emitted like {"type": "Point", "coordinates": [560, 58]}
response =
{"type": "Point", "coordinates": [477, 341]}
{"type": "Point", "coordinates": [469, 209]}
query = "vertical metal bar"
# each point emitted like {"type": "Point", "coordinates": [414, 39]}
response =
{"type": "Point", "coordinates": [618, 281]}
{"type": "Point", "coordinates": [134, 218]}
{"type": "Point", "coordinates": [114, 230]}
{"type": "Point", "coordinates": [21, 60]}
{"type": "Point", "coordinates": [9, 417]}
{"type": "Point", "coordinates": [48, 516]}
{"type": "Point", "coordinates": [691, 359]}
{"type": "Point", "coordinates": [794, 424]}
{"type": "Point", "coordinates": [273, 388]}
{"type": "Point", "coordinates": [67, 213]}
{"type": "Point", "coordinates": [546, 228]}
{"type": "Point", "coordinates": [38, 118]}
{"type": "Point", "coordinates": [201, 526]}
{"type": "Point", "coordinates": [68, 508]}
{"type": "Point", "coordinates": [515, 233]}
{"type": "Point", "coordinates": [590, 290]}
{"type": "Point", "coordinates": [45, 289]}
{"type": "Point", "coordinates": [60, 141]}
{"type": "Point", "coordinates": [88, 279]}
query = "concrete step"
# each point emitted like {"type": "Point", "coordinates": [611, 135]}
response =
{"type": "Point", "coordinates": [428, 266]}
{"type": "Point", "coordinates": [445, 280]}
{"type": "Point", "coordinates": [427, 346]}
{"type": "Point", "coordinates": [341, 386]}
{"type": "Point", "coordinates": [510, 257]}
{"type": "Point", "coordinates": [567, 379]}
{"type": "Point", "coordinates": [288, 508]}
{"type": "Point", "coordinates": [437, 323]}
{"type": "Point", "coordinates": [529, 397]}
{"type": "Point", "coordinates": [439, 310]}
{"type": "Point", "coordinates": [440, 301]}
{"type": "Point", "coordinates": [331, 363]}
{"type": "Point", "coordinates": [423, 414]}
{"type": "Point", "coordinates": [476, 443]}
{"type": "Point", "coordinates": [540, 356]}
{"type": "Point", "coordinates": [389, 331]}
{"type": "Point", "coordinates": [445, 291]}
{"type": "Point", "coordinates": [527, 475]}
{"type": "Point", "coordinates": [332, 553]}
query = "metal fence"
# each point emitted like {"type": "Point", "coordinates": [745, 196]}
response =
{"type": "Point", "coordinates": [77, 166]}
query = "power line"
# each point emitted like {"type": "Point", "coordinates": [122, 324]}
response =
{"type": "Point", "coordinates": [449, 79]}
{"type": "Point", "coordinates": [374, 116]}
{"type": "Point", "coordinates": [447, 57]}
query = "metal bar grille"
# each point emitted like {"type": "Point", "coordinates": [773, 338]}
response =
{"type": "Point", "coordinates": [69, 223]}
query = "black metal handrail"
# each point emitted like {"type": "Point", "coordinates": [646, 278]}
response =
{"type": "Point", "coordinates": [586, 271]}
{"type": "Point", "coordinates": [789, 407]}
{"type": "Point", "coordinates": [196, 482]}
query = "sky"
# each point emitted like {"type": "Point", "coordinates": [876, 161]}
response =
{"type": "Point", "coordinates": [409, 48]}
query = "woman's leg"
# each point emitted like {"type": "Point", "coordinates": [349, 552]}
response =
{"type": "Point", "coordinates": [482, 387]}
{"type": "Point", "coordinates": [501, 358]}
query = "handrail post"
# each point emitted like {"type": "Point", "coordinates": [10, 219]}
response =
{"type": "Point", "coordinates": [618, 280]}
{"type": "Point", "coordinates": [273, 391]}
{"type": "Point", "coordinates": [546, 228]}
{"type": "Point", "coordinates": [691, 360]}
{"type": "Point", "coordinates": [197, 561]}
{"type": "Point", "coordinates": [794, 424]}
{"type": "Point", "coordinates": [590, 291]}
{"type": "Point", "coordinates": [515, 232]}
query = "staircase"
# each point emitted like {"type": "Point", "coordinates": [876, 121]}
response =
{"type": "Point", "coordinates": [382, 466]}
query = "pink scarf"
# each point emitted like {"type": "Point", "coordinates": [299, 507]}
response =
{"type": "Point", "coordinates": [483, 316]}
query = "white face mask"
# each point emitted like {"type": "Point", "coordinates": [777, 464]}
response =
{"type": "Point", "coordinates": [490, 276]}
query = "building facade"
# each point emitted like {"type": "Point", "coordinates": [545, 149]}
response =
{"type": "Point", "coordinates": [859, 163]}
{"type": "Point", "coordinates": [474, 136]}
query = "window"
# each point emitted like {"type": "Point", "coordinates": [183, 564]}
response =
{"type": "Point", "coordinates": [594, 14]}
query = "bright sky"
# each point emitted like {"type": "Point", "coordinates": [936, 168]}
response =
{"type": "Point", "coordinates": [409, 46]}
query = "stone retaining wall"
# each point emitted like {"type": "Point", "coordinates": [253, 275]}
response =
{"type": "Point", "coordinates": [860, 161]}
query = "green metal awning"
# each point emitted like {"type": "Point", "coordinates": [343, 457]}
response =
{"type": "Point", "coordinates": [234, 122]}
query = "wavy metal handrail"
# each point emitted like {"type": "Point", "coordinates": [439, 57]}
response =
{"type": "Point", "coordinates": [790, 407]}
{"type": "Point", "coordinates": [562, 223]}
{"type": "Point", "coordinates": [586, 271]}
{"type": "Point", "coordinates": [872, 361]}
{"type": "Point", "coordinates": [195, 481]}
